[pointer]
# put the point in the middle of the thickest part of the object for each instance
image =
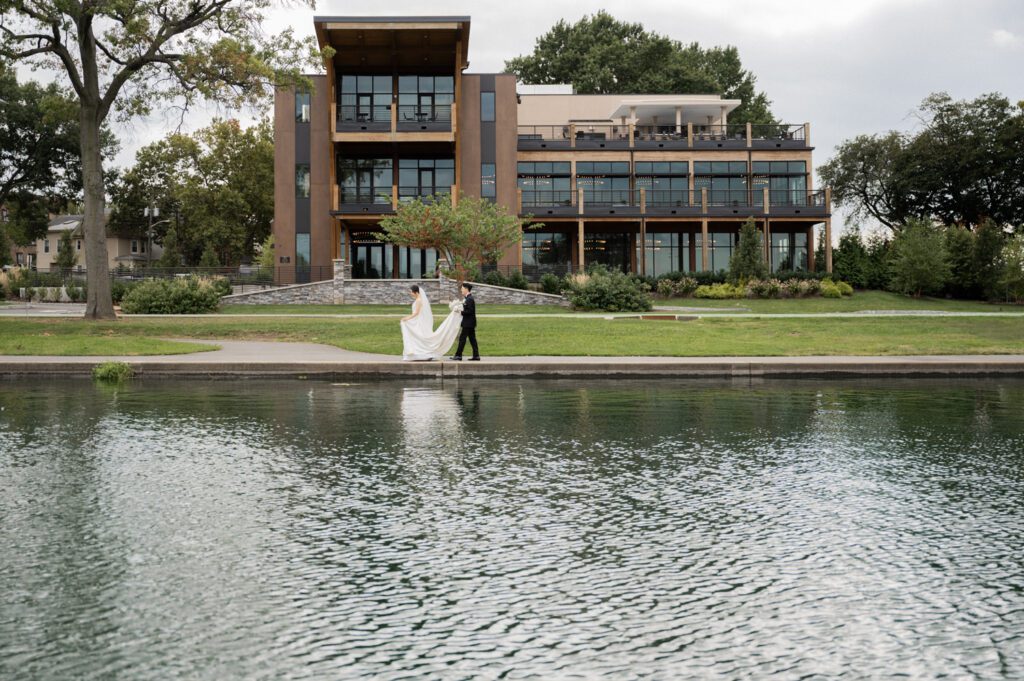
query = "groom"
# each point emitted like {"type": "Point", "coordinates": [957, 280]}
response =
{"type": "Point", "coordinates": [468, 324]}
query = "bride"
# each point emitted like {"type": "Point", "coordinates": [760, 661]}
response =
{"type": "Point", "coordinates": [419, 340]}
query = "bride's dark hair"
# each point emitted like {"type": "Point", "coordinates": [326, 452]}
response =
{"type": "Point", "coordinates": [415, 288]}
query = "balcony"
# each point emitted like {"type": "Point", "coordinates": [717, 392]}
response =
{"type": "Point", "coordinates": [394, 123]}
{"type": "Point", "coordinates": [360, 201]}
{"type": "Point", "coordinates": [689, 136]}
{"type": "Point", "coordinates": [683, 203]}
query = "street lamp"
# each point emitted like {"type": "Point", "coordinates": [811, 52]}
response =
{"type": "Point", "coordinates": [151, 212]}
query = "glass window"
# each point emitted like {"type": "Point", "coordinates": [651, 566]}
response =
{"type": "Point", "coordinates": [488, 185]}
{"type": "Point", "coordinates": [546, 251]}
{"type": "Point", "coordinates": [365, 180]}
{"type": "Point", "coordinates": [302, 107]}
{"type": "Point", "coordinates": [720, 245]}
{"type": "Point", "coordinates": [365, 98]}
{"type": "Point", "coordinates": [135, 246]}
{"type": "Point", "coordinates": [424, 177]}
{"type": "Point", "coordinates": [302, 181]}
{"type": "Point", "coordinates": [302, 250]}
{"type": "Point", "coordinates": [46, 245]}
{"type": "Point", "coordinates": [666, 252]}
{"type": "Point", "coordinates": [486, 106]}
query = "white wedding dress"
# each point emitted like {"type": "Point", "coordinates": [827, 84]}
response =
{"type": "Point", "coordinates": [419, 339]}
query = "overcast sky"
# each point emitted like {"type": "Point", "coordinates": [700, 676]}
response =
{"type": "Point", "coordinates": [847, 67]}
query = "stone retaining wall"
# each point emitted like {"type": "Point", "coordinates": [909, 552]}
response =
{"type": "Point", "coordinates": [387, 292]}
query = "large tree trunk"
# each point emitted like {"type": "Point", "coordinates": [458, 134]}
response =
{"type": "Point", "coordinates": [98, 302]}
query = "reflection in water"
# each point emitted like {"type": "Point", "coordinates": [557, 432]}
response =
{"type": "Point", "coordinates": [517, 530]}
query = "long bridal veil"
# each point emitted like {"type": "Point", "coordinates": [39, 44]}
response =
{"type": "Point", "coordinates": [419, 339]}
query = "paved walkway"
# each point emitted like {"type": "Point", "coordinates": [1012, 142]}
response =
{"type": "Point", "coordinates": [259, 358]}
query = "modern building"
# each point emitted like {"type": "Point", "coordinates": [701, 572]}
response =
{"type": "Point", "coordinates": [646, 183]}
{"type": "Point", "coordinates": [121, 251]}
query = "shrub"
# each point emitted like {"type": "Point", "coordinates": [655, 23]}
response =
{"type": "Point", "coordinates": [919, 264]}
{"type": "Point", "coordinates": [494, 278]}
{"type": "Point", "coordinates": [720, 291]}
{"type": "Point", "coordinates": [850, 258]}
{"type": "Point", "coordinates": [666, 288]}
{"type": "Point", "coordinates": [517, 280]}
{"type": "Point", "coordinates": [810, 287]}
{"type": "Point", "coordinates": [549, 283]}
{"type": "Point", "coordinates": [829, 289]}
{"type": "Point", "coordinates": [763, 288]}
{"type": "Point", "coordinates": [844, 288]}
{"type": "Point", "coordinates": [113, 372]}
{"type": "Point", "coordinates": [171, 296]}
{"type": "Point", "coordinates": [76, 293]}
{"type": "Point", "coordinates": [119, 289]}
{"type": "Point", "coordinates": [793, 288]}
{"type": "Point", "coordinates": [1012, 279]}
{"type": "Point", "coordinates": [222, 286]}
{"type": "Point", "coordinates": [608, 290]}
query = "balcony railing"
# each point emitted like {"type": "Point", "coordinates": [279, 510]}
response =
{"type": "Point", "coordinates": [674, 202]}
{"type": "Point", "coordinates": [364, 117]}
{"type": "Point", "coordinates": [438, 117]}
{"type": "Point", "coordinates": [548, 198]}
{"type": "Point", "coordinates": [618, 136]}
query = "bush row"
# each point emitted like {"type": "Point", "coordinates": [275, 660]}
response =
{"type": "Point", "coordinates": [513, 280]}
{"type": "Point", "coordinates": [191, 295]}
{"type": "Point", "coordinates": [794, 287]}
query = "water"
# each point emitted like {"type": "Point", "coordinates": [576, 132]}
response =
{"type": "Point", "coordinates": [301, 529]}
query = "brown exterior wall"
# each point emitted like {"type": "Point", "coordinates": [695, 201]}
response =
{"type": "Point", "coordinates": [506, 155]}
{"type": "Point", "coordinates": [321, 230]}
{"type": "Point", "coordinates": [468, 143]}
{"type": "Point", "coordinates": [284, 177]}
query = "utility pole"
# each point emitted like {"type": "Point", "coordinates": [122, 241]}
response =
{"type": "Point", "coordinates": [152, 212]}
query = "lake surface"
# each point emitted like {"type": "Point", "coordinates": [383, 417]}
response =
{"type": "Point", "coordinates": [484, 530]}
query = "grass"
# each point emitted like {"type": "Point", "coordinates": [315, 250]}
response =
{"type": "Point", "coordinates": [77, 337]}
{"type": "Point", "coordinates": [542, 336]}
{"type": "Point", "coordinates": [113, 372]}
{"type": "Point", "coordinates": [861, 300]}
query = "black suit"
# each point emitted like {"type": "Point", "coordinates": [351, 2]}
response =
{"type": "Point", "coordinates": [468, 327]}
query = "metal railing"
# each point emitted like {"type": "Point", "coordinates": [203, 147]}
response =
{"type": "Point", "coordinates": [364, 114]}
{"type": "Point", "coordinates": [600, 132]}
{"type": "Point", "coordinates": [533, 273]}
{"type": "Point", "coordinates": [543, 198]}
{"type": "Point", "coordinates": [729, 197]}
{"type": "Point", "coordinates": [658, 133]}
{"type": "Point", "coordinates": [611, 197]}
{"type": "Point", "coordinates": [667, 198]}
{"type": "Point", "coordinates": [778, 131]}
{"type": "Point", "coordinates": [377, 196]}
{"type": "Point", "coordinates": [549, 133]}
{"type": "Point", "coordinates": [414, 114]}
{"type": "Point", "coordinates": [794, 197]}
{"type": "Point", "coordinates": [735, 132]}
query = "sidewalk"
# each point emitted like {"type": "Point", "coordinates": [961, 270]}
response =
{"type": "Point", "coordinates": [261, 359]}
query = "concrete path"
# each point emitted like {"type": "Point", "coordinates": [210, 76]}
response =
{"type": "Point", "coordinates": [265, 359]}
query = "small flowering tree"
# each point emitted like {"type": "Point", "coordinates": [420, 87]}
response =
{"type": "Point", "coordinates": [471, 232]}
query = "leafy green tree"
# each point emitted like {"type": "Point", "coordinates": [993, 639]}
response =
{"type": "Point", "coordinates": [472, 232]}
{"type": "Point", "coordinates": [132, 56]}
{"type": "Point", "coordinates": [986, 258]}
{"type": "Point", "coordinates": [879, 251]}
{"type": "Point", "coordinates": [819, 251]}
{"type": "Point", "coordinates": [850, 259]}
{"type": "Point", "coordinates": [959, 244]}
{"type": "Point", "coordinates": [919, 265]}
{"type": "Point", "coordinates": [209, 258]}
{"type": "Point", "coordinates": [40, 168]}
{"type": "Point", "coordinates": [866, 178]}
{"type": "Point", "coordinates": [748, 260]}
{"type": "Point", "coordinates": [66, 258]}
{"type": "Point", "coordinates": [602, 55]}
{"type": "Point", "coordinates": [171, 255]}
{"type": "Point", "coordinates": [217, 183]}
{"type": "Point", "coordinates": [1011, 280]}
{"type": "Point", "coordinates": [266, 259]}
{"type": "Point", "coordinates": [964, 166]}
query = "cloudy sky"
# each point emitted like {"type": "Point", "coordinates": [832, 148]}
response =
{"type": "Point", "coordinates": [848, 67]}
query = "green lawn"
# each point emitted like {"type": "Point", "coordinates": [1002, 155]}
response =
{"type": "Point", "coordinates": [544, 336]}
{"type": "Point", "coordinates": [861, 300]}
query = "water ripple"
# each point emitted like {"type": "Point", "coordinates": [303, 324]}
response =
{"type": "Point", "coordinates": [305, 530]}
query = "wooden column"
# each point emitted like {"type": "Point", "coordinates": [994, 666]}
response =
{"type": "Point", "coordinates": [704, 244]}
{"type": "Point", "coordinates": [768, 244]}
{"type": "Point", "coordinates": [689, 136]}
{"type": "Point", "coordinates": [643, 244]}
{"type": "Point", "coordinates": [679, 120]}
{"type": "Point", "coordinates": [580, 249]}
{"type": "Point", "coordinates": [810, 249]}
{"type": "Point", "coordinates": [828, 245]}
{"type": "Point", "coordinates": [750, 130]}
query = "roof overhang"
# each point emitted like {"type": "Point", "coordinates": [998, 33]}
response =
{"type": "Point", "coordinates": [692, 109]}
{"type": "Point", "coordinates": [350, 31]}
